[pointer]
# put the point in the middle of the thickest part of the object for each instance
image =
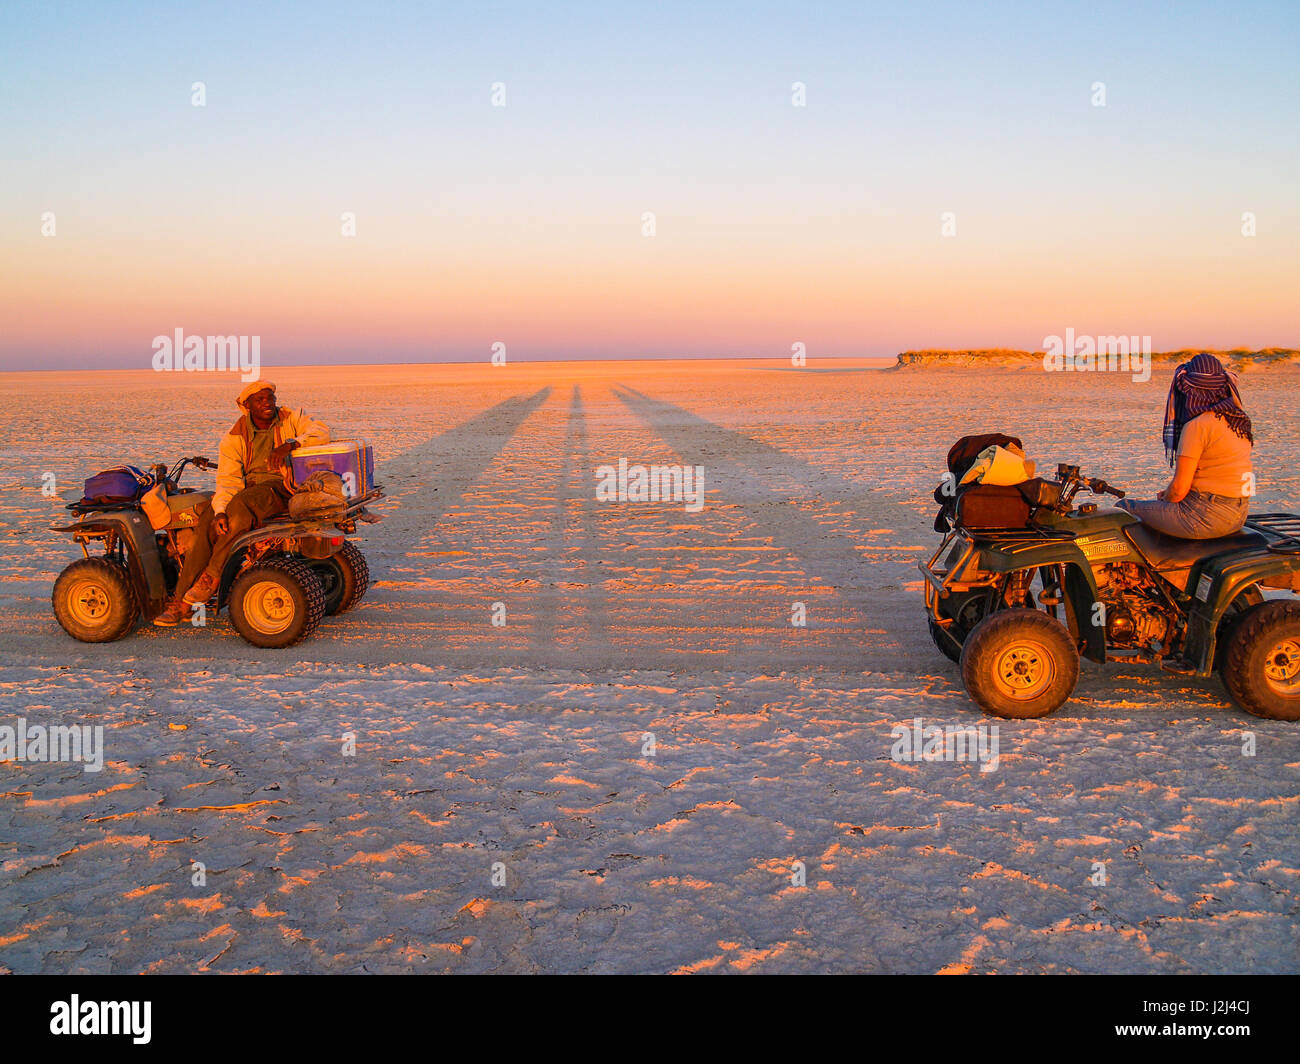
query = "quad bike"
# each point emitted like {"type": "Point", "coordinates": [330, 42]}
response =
{"type": "Point", "coordinates": [281, 579]}
{"type": "Point", "coordinates": [1112, 589]}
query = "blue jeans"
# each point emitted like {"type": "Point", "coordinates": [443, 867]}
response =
{"type": "Point", "coordinates": [1199, 516]}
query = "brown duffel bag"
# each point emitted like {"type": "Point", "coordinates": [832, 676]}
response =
{"type": "Point", "coordinates": [991, 506]}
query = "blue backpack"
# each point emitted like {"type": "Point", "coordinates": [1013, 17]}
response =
{"type": "Point", "coordinates": [120, 484]}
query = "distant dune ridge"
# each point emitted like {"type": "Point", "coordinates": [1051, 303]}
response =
{"type": "Point", "coordinates": [1238, 358]}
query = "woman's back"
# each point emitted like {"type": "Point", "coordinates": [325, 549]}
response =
{"type": "Point", "coordinates": [1222, 457]}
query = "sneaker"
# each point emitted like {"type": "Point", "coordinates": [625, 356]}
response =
{"type": "Point", "coordinates": [173, 613]}
{"type": "Point", "coordinates": [203, 589]}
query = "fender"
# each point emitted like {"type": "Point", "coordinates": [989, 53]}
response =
{"type": "Point", "coordinates": [1011, 554]}
{"type": "Point", "coordinates": [1081, 607]}
{"type": "Point", "coordinates": [1215, 582]}
{"type": "Point", "coordinates": [324, 543]}
{"type": "Point", "coordinates": [141, 550]}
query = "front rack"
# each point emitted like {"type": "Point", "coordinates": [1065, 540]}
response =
{"type": "Point", "coordinates": [1031, 530]}
{"type": "Point", "coordinates": [81, 507]}
{"type": "Point", "coordinates": [942, 582]}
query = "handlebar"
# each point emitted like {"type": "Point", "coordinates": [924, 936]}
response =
{"type": "Point", "coordinates": [1072, 480]}
{"type": "Point", "coordinates": [1100, 487]}
{"type": "Point", "coordinates": [198, 461]}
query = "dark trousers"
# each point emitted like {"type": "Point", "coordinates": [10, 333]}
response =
{"type": "Point", "coordinates": [249, 509]}
{"type": "Point", "coordinates": [198, 556]}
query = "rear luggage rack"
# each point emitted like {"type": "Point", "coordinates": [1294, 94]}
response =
{"type": "Point", "coordinates": [344, 517]}
{"type": "Point", "coordinates": [1285, 526]}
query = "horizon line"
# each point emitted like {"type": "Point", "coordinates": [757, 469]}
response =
{"type": "Point", "coordinates": [628, 359]}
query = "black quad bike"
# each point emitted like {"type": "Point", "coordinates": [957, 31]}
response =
{"type": "Point", "coordinates": [281, 580]}
{"type": "Point", "coordinates": [1017, 606]}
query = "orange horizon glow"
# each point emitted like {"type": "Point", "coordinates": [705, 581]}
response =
{"type": "Point", "coordinates": [362, 301]}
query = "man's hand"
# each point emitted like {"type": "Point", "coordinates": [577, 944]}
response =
{"type": "Point", "coordinates": [276, 461]}
{"type": "Point", "coordinates": [221, 524]}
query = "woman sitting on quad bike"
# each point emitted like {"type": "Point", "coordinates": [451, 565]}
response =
{"type": "Point", "coordinates": [1208, 434]}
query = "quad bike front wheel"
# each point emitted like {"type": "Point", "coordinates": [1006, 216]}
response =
{"type": "Point", "coordinates": [344, 576]}
{"type": "Point", "coordinates": [965, 612]}
{"type": "Point", "coordinates": [940, 639]}
{"type": "Point", "coordinates": [276, 603]}
{"type": "Point", "coordinates": [95, 601]}
{"type": "Point", "coordinates": [1019, 664]}
{"type": "Point", "coordinates": [1261, 669]}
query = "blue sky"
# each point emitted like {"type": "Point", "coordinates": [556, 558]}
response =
{"type": "Point", "coordinates": [612, 109]}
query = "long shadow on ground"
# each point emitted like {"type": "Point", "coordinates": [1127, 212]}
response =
{"type": "Point", "coordinates": [775, 490]}
{"type": "Point", "coordinates": [447, 465]}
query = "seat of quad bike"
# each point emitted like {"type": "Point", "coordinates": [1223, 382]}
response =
{"type": "Point", "coordinates": [1170, 553]}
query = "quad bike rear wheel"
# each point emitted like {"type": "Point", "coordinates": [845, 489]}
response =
{"type": "Point", "coordinates": [1261, 669]}
{"type": "Point", "coordinates": [344, 576]}
{"type": "Point", "coordinates": [95, 601]}
{"type": "Point", "coordinates": [277, 602]}
{"type": "Point", "coordinates": [1019, 664]}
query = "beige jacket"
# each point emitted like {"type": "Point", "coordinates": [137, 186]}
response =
{"type": "Point", "coordinates": [232, 459]}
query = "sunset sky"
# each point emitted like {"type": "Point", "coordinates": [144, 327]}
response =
{"type": "Point", "coordinates": [775, 224]}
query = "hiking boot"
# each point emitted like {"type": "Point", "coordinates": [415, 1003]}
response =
{"type": "Point", "coordinates": [204, 588]}
{"type": "Point", "coordinates": [176, 611]}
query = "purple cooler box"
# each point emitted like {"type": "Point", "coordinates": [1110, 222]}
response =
{"type": "Point", "coordinates": [353, 460]}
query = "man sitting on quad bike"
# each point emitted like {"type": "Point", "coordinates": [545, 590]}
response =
{"type": "Point", "coordinates": [1208, 434]}
{"type": "Point", "coordinates": [253, 485]}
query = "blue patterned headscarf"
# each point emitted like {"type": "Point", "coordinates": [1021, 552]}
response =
{"type": "Point", "coordinates": [1200, 386]}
